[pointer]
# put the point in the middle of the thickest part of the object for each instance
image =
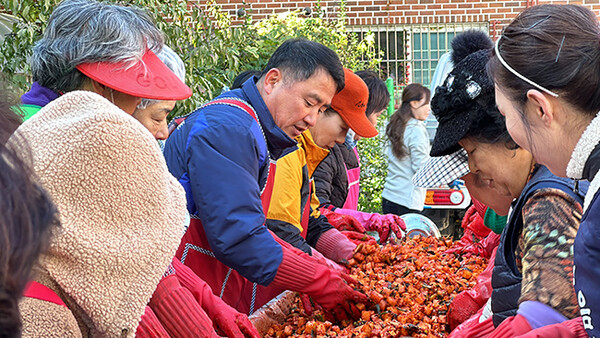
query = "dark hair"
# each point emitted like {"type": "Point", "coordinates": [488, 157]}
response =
{"type": "Point", "coordinates": [395, 129]}
{"type": "Point", "coordinates": [243, 76]}
{"type": "Point", "coordinates": [26, 216]}
{"type": "Point", "coordinates": [556, 47]}
{"type": "Point", "coordinates": [379, 96]}
{"type": "Point", "coordinates": [298, 59]}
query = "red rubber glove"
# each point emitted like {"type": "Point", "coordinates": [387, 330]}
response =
{"type": "Point", "coordinates": [328, 288]}
{"type": "Point", "coordinates": [483, 248]}
{"type": "Point", "coordinates": [335, 246]}
{"type": "Point", "coordinates": [463, 306]}
{"type": "Point", "coordinates": [473, 329]}
{"type": "Point", "coordinates": [327, 262]}
{"type": "Point", "coordinates": [467, 303]}
{"type": "Point", "coordinates": [357, 238]}
{"type": "Point", "coordinates": [511, 327]}
{"type": "Point", "coordinates": [474, 222]}
{"type": "Point", "coordinates": [225, 318]}
{"type": "Point", "coordinates": [178, 311]}
{"type": "Point", "coordinates": [568, 329]}
{"type": "Point", "coordinates": [150, 326]}
{"type": "Point", "coordinates": [342, 222]}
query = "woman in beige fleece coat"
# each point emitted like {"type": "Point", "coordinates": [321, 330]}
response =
{"type": "Point", "coordinates": [122, 213]}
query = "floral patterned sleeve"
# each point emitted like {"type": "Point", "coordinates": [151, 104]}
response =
{"type": "Point", "coordinates": [550, 221]}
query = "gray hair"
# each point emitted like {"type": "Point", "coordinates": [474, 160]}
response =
{"type": "Point", "coordinates": [175, 64]}
{"type": "Point", "coordinates": [86, 31]}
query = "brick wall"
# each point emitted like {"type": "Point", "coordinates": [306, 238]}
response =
{"type": "Point", "coordinates": [497, 13]}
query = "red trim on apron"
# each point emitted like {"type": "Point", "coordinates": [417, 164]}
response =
{"type": "Point", "coordinates": [195, 252]}
{"type": "Point", "coordinates": [39, 291]}
{"type": "Point", "coordinates": [353, 185]}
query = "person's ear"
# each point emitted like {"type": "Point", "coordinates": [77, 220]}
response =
{"type": "Point", "coordinates": [272, 79]}
{"type": "Point", "coordinates": [414, 104]}
{"type": "Point", "coordinates": [540, 106]}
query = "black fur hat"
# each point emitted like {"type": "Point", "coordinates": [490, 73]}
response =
{"type": "Point", "coordinates": [467, 95]}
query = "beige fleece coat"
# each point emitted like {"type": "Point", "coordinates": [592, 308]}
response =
{"type": "Point", "coordinates": [122, 216]}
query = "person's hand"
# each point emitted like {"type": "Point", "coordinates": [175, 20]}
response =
{"type": "Point", "coordinates": [383, 224]}
{"type": "Point", "coordinates": [327, 262]}
{"type": "Point", "coordinates": [342, 222]}
{"type": "Point", "coordinates": [328, 288]}
{"type": "Point", "coordinates": [228, 320]}
{"type": "Point", "coordinates": [225, 318]}
{"type": "Point", "coordinates": [339, 298]}
{"type": "Point", "coordinates": [358, 238]}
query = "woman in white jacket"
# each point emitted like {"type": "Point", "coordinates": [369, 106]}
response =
{"type": "Point", "coordinates": [407, 151]}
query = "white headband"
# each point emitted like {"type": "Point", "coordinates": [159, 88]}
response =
{"type": "Point", "coordinates": [510, 69]}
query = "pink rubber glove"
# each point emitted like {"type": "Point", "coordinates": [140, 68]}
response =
{"type": "Point", "coordinates": [225, 318]}
{"type": "Point", "coordinates": [342, 222]}
{"type": "Point", "coordinates": [383, 224]}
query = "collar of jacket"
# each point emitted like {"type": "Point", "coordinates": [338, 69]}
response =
{"type": "Point", "coordinates": [585, 160]}
{"type": "Point", "coordinates": [580, 165]}
{"type": "Point", "coordinates": [314, 153]}
{"type": "Point", "coordinates": [277, 139]}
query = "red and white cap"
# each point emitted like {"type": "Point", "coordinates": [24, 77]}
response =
{"type": "Point", "coordinates": [150, 78]}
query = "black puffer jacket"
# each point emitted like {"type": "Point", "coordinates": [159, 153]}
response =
{"type": "Point", "coordinates": [331, 179]}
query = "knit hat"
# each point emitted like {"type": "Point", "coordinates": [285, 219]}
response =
{"type": "Point", "coordinates": [467, 94]}
{"type": "Point", "coordinates": [351, 104]}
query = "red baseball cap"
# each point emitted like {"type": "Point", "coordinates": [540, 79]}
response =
{"type": "Point", "coordinates": [150, 78]}
{"type": "Point", "coordinates": [351, 104]}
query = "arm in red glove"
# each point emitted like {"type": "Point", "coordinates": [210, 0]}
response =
{"type": "Point", "coordinates": [383, 224]}
{"type": "Point", "coordinates": [568, 329]}
{"type": "Point", "coordinates": [150, 326]}
{"type": "Point", "coordinates": [335, 246]}
{"type": "Point", "coordinates": [483, 248]}
{"type": "Point", "coordinates": [327, 262]}
{"type": "Point", "coordinates": [225, 318]}
{"type": "Point", "coordinates": [467, 303]}
{"type": "Point", "coordinates": [328, 288]}
{"type": "Point", "coordinates": [511, 327]}
{"type": "Point", "coordinates": [179, 313]}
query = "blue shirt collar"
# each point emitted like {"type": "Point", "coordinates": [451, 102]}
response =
{"type": "Point", "coordinates": [277, 139]}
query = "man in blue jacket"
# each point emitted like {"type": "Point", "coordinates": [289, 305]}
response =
{"type": "Point", "coordinates": [224, 155]}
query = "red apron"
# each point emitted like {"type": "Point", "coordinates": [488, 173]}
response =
{"type": "Point", "coordinates": [195, 251]}
{"type": "Point", "coordinates": [42, 292]}
{"type": "Point", "coordinates": [353, 185]}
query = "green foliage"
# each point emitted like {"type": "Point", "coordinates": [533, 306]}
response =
{"type": "Point", "coordinates": [15, 50]}
{"type": "Point", "coordinates": [373, 169]}
{"type": "Point", "coordinates": [214, 50]}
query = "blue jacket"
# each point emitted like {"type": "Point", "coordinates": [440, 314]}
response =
{"type": "Point", "coordinates": [586, 269]}
{"type": "Point", "coordinates": [220, 157]}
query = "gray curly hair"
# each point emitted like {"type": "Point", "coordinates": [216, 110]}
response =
{"type": "Point", "coordinates": [86, 31]}
{"type": "Point", "coordinates": [175, 64]}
